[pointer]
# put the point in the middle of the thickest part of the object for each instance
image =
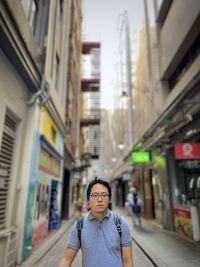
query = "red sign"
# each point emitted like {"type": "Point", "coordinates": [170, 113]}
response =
{"type": "Point", "coordinates": [187, 150]}
{"type": "Point", "coordinates": [183, 211]}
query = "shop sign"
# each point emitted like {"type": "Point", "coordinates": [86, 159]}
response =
{"type": "Point", "coordinates": [49, 164]}
{"type": "Point", "coordinates": [183, 221]}
{"type": "Point", "coordinates": [140, 157]}
{"type": "Point", "coordinates": [187, 150]}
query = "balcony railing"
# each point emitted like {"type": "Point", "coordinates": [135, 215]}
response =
{"type": "Point", "coordinates": [87, 46]}
{"type": "Point", "coordinates": [90, 85]}
{"type": "Point", "coordinates": [91, 117]}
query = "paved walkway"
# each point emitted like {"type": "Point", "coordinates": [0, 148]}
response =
{"type": "Point", "coordinates": [167, 249]}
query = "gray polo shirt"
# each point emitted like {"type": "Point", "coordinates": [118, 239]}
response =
{"type": "Point", "coordinates": [100, 241]}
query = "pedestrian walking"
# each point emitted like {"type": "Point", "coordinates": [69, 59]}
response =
{"type": "Point", "coordinates": [137, 210]}
{"type": "Point", "coordinates": [129, 201]}
{"type": "Point", "coordinates": [103, 236]}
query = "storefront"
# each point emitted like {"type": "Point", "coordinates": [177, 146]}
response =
{"type": "Point", "coordinates": [43, 211]}
{"type": "Point", "coordinates": [149, 212]}
{"type": "Point", "coordinates": [153, 177]}
{"type": "Point", "coordinates": [187, 190]}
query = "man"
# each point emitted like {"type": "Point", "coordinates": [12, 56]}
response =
{"type": "Point", "coordinates": [101, 244]}
{"type": "Point", "coordinates": [129, 201]}
{"type": "Point", "coordinates": [137, 210]}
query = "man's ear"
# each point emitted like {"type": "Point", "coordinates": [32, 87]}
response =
{"type": "Point", "coordinates": [88, 204]}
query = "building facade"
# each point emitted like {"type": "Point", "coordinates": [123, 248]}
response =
{"type": "Point", "coordinates": [170, 182]}
{"type": "Point", "coordinates": [34, 49]}
{"type": "Point", "coordinates": [166, 115]}
{"type": "Point", "coordinates": [21, 75]}
{"type": "Point", "coordinates": [71, 178]}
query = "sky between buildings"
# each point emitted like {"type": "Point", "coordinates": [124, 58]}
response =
{"type": "Point", "coordinates": [100, 22]}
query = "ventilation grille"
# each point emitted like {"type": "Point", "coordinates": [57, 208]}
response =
{"type": "Point", "coordinates": [6, 153]}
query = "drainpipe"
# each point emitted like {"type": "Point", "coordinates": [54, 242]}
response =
{"type": "Point", "coordinates": [43, 94]}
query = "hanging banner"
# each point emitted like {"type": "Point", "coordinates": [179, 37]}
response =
{"type": "Point", "coordinates": [187, 150]}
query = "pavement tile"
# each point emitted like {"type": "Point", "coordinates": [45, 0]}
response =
{"type": "Point", "coordinates": [167, 249]}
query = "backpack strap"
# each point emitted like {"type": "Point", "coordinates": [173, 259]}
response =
{"type": "Point", "coordinates": [118, 222]}
{"type": "Point", "coordinates": [79, 226]}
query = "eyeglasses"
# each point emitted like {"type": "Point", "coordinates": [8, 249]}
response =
{"type": "Point", "coordinates": [97, 196]}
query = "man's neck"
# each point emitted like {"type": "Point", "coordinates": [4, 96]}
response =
{"type": "Point", "coordinates": [99, 216]}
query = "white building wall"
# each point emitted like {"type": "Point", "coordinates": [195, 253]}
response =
{"type": "Point", "coordinates": [14, 96]}
{"type": "Point", "coordinates": [57, 46]}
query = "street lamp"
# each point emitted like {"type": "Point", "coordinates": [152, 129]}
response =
{"type": "Point", "coordinates": [114, 159]}
{"type": "Point", "coordinates": [126, 95]}
{"type": "Point", "coordinates": [121, 146]}
{"type": "Point", "coordinates": [127, 60]}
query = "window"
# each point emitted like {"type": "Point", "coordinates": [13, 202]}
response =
{"type": "Point", "coordinates": [57, 71]}
{"type": "Point", "coordinates": [36, 14]}
{"type": "Point", "coordinates": [185, 63]}
{"type": "Point", "coordinates": [31, 11]}
{"type": "Point", "coordinates": [6, 155]}
{"type": "Point", "coordinates": [61, 10]}
{"type": "Point", "coordinates": [33, 14]}
{"type": "Point", "coordinates": [53, 134]}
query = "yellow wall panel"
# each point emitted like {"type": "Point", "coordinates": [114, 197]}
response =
{"type": "Point", "coordinates": [49, 128]}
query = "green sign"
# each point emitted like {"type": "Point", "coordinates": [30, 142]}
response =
{"type": "Point", "coordinates": [140, 157]}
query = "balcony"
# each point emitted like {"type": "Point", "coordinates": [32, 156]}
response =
{"type": "Point", "coordinates": [90, 85]}
{"type": "Point", "coordinates": [90, 117]}
{"type": "Point", "coordinates": [87, 46]}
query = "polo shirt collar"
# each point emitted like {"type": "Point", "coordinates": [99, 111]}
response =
{"type": "Point", "coordinates": [91, 216]}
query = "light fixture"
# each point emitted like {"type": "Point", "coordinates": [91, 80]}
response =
{"type": "Point", "coordinates": [191, 132]}
{"type": "Point", "coordinates": [121, 146]}
{"type": "Point", "coordinates": [114, 159]}
{"type": "Point", "coordinates": [124, 94]}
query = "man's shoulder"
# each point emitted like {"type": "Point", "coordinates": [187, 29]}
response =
{"type": "Point", "coordinates": [81, 220]}
{"type": "Point", "coordinates": [121, 218]}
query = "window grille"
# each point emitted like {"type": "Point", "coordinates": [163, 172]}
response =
{"type": "Point", "coordinates": [6, 153]}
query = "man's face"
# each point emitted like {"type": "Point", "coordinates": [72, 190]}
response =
{"type": "Point", "coordinates": [99, 199]}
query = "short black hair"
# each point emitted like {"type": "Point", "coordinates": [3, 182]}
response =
{"type": "Point", "coordinates": [98, 181]}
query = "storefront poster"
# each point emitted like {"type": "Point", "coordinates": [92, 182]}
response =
{"type": "Point", "coordinates": [40, 215]}
{"type": "Point", "coordinates": [183, 221]}
{"type": "Point", "coordinates": [55, 211]}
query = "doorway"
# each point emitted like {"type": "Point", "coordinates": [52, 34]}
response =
{"type": "Point", "coordinates": [65, 195]}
